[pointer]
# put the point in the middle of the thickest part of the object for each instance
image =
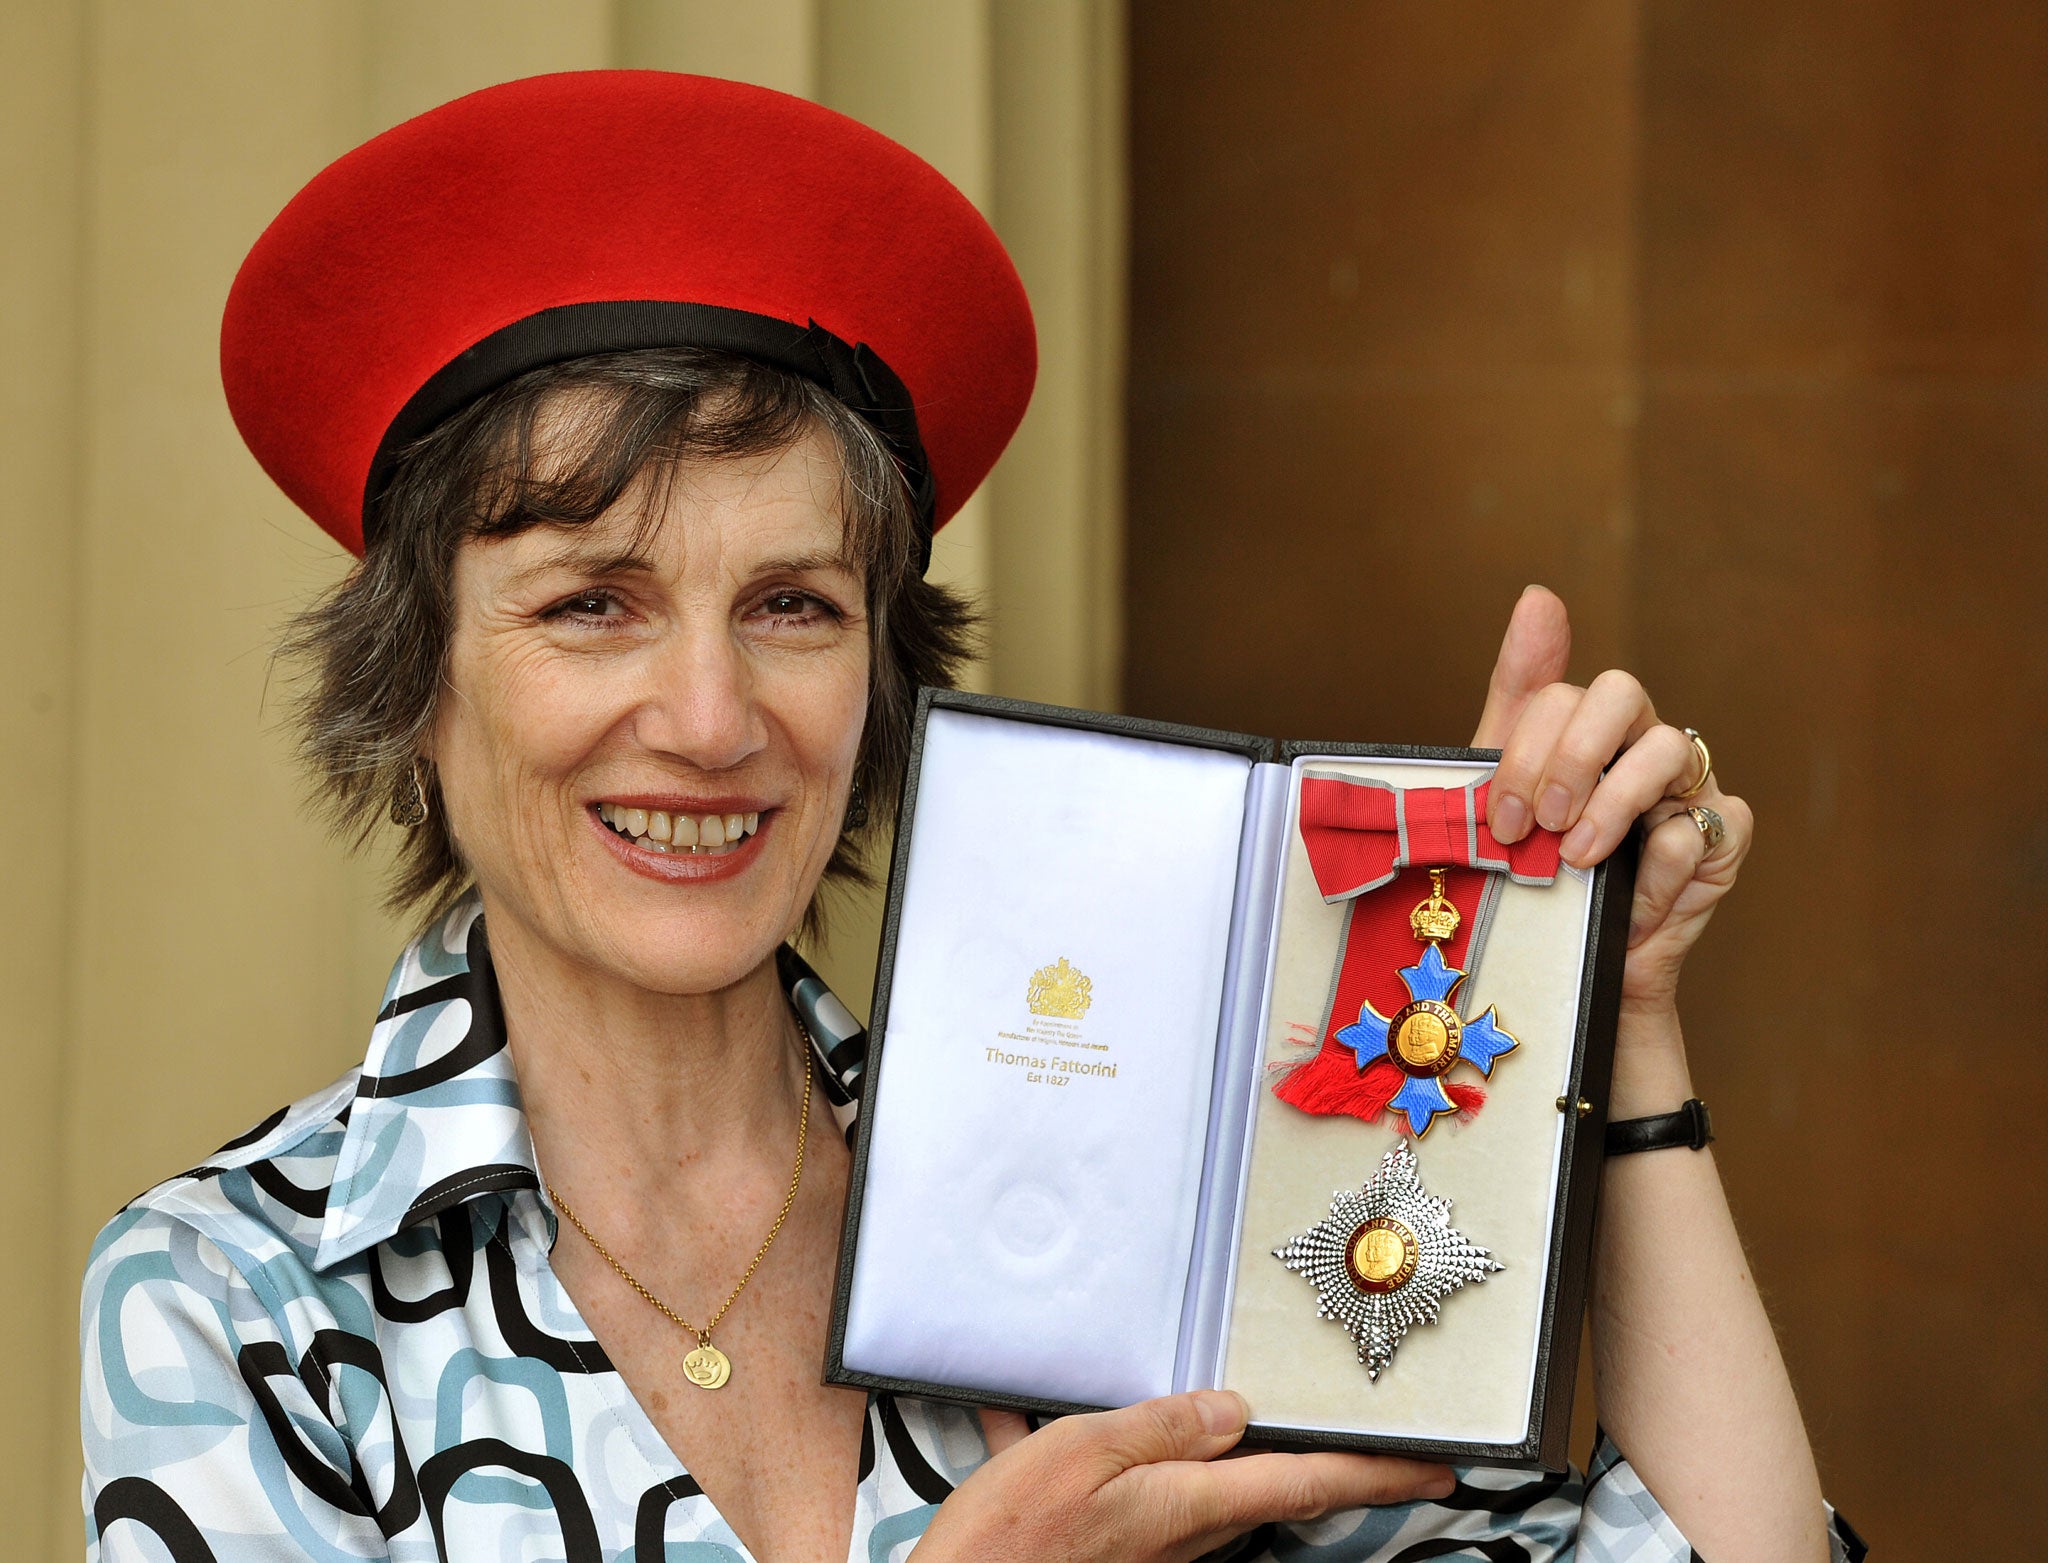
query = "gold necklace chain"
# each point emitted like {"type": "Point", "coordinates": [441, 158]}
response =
{"type": "Point", "coordinates": [707, 1367]}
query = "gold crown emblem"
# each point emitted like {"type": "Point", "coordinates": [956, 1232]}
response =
{"type": "Point", "coordinates": [1059, 990]}
{"type": "Point", "coordinates": [1434, 918]}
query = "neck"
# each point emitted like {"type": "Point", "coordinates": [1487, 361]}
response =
{"type": "Point", "coordinates": [640, 1101]}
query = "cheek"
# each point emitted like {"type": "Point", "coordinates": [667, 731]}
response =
{"type": "Point", "coordinates": [840, 713]}
{"type": "Point", "coordinates": [511, 720]}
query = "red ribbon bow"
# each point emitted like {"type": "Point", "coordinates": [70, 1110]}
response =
{"type": "Point", "coordinates": [1360, 836]}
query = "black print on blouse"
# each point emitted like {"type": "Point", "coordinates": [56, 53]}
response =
{"type": "Point", "coordinates": [459, 1187]}
{"type": "Point", "coordinates": [261, 1361]}
{"type": "Point", "coordinates": [650, 1520]}
{"type": "Point", "coordinates": [565, 1495]}
{"type": "Point", "coordinates": [1511, 1500]}
{"type": "Point", "coordinates": [867, 1448]}
{"type": "Point", "coordinates": [479, 988]}
{"type": "Point", "coordinates": [148, 1505]}
{"type": "Point", "coordinates": [927, 1483]}
{"type": "Point", "coordinates": [521, 1334]}
{"type": "Point", "coordinates": [270, 1178]}
{"type": "Point", "coordinates": [333, 1349]}
{"type": "Point", "coordinates": [1253, 1544]}
{"type": "Point", "coordinates": [253, 1135]}
{"type": "Point", "coordinates": [1498, 1551]}
{"type": "Point", "coordinates": [457, 1247]}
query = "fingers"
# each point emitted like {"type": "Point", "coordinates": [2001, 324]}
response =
{"type": "Point", "coordinates": [1551, 764]}
{"type": "Point", "coordinates": [1647, 771]}
{"type": "Point", "coordinates": [1234, 1495]}
{"type": "Point", "coordinates": [1002, 1429]}
{"type": "Point", "coordinates": [1675, 854]}
{"type": "Point", "coordinates": [1533, 655]}
{"type": "Point", "coordinates": [1195, 1426]}
{"type": "Point", "coordinates": [1511, 799]}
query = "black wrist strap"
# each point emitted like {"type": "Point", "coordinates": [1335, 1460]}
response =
{"type": "Point", "coordinates": [1689, 1126]}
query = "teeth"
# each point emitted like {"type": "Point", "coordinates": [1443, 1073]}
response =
{"type": "Point", "coordinates": [658, 831]}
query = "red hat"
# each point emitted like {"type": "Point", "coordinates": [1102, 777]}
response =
{"type": "Point", "coordinates": [597, 210]}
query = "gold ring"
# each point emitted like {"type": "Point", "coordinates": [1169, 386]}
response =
{"type": "Point", "coordinates": [1710, 826]}
{"type": "Point", "coordinates": [1699, 746]}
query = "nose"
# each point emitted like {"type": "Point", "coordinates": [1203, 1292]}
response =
{"type": "Point", "coordinates": [700, 703]}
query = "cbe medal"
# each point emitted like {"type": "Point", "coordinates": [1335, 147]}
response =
{"type": "Point", "coordinates": [1393, 1031]}
{"type": "Point", "coordinates": [1385, 1258]}
{"type": "Point", "coordinates": [1427, 1036]}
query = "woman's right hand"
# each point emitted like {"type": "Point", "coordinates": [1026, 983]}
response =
{"type": "Point", "coordinates": [1145, 1485]}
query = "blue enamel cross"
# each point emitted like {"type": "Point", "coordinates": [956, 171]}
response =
{"type": "Point", "coordinates": [1425, 1038]}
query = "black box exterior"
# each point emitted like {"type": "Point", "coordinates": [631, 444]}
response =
{"type": "Point", "coordinates": [1569, 1260]}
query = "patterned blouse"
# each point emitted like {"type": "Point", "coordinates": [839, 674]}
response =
{"type": "Point", "coordinates": [340, 1339]}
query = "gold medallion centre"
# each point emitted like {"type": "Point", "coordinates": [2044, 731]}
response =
{"type": "Point", "coordinates": [1424, 1038]}
{"type": "Point", "coordinates": [1381, 1255]}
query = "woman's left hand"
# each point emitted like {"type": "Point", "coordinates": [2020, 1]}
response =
{"type": "Point", "coordinates": [1557, 739]}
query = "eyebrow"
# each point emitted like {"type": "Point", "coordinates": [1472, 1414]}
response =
{"type": "Point", "coordinates": [803, 564]}
{"type": "Point", "coordinates": [597, 563]}
{"type": "Point", "coordinates": [582, 561]}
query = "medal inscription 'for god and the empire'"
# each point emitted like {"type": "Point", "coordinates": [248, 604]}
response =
{"type": "Point", "coordinates": [1385, 1258]}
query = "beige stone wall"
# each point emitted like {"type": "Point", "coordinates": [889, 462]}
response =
{"type": "Point", "coordinates": [180, 948]}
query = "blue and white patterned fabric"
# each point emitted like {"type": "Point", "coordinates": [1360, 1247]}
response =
{"type": "Point", "coordinates": [341, 1339]}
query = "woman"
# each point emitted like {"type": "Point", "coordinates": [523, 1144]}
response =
{"type": "Point", "coordinates": [640, 396]}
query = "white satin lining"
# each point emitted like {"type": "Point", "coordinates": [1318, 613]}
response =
{"type": "Point", "coordinates": [1017, 1235]}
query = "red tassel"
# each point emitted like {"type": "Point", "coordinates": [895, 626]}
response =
{"type": "Point", "coordinates": [1470, 1098]}
{"type": "Point", "coordinates": [1332, 1083]}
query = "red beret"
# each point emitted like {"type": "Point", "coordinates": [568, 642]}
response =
{"type": "Point", "coordinates": [591, 211]}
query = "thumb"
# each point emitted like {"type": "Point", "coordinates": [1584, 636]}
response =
{"type": "Point", "coordinates": [1196, 1426]}
{"type": "Point", "coordinates": [1534, 653]}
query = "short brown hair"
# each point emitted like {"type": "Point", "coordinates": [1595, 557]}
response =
{"type": "Point", "coordinates": [368, 657]}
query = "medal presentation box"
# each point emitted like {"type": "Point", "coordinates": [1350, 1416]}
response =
{"type": "Point", "coordinates": [1182, 1040]}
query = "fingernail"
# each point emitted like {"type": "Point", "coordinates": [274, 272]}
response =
{"type": "Point", "coordinates": [1222, 1411]}
{"type": "Point", "coordinates": [1441, 1487]}
{"type": "Point", "coordinates": [1552, 807]}
{"type": "Point", "coordinates": [1577, 843]}
{"type": "Point", "coordinates": [1531, 587]}
{"type": "Point", "coordinates": [1510, 819]}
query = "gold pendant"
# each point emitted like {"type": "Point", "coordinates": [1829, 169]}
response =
{"type": "Point", "coordinates": [707, 1367]}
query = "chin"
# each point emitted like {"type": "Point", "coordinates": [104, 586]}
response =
{"type": "Point", "coordinates": [689, 939]}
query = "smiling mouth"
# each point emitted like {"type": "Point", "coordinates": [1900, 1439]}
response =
{"type": "Point", "coordinates": [685, 835]}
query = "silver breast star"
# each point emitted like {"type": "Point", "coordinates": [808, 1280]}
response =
{"type": "Point", "coordinates": [1384, 1258]}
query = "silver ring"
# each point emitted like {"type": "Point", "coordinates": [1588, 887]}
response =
{"type": "Point", "coordinates": [1712, 828]}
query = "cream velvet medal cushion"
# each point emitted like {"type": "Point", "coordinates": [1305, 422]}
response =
{"type": "Point", "coordinates": [1470, 1375]}
{"type": "Point", "coordinates": [1035, 1160]}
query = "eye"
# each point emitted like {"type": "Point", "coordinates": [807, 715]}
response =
{"type": "Point", "coordinates": [795, 607]}
{"type": "Point", "coordinates": [596, 603]}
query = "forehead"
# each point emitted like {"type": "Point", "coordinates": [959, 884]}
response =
{"type": "Point", "coordinates": [783, 503]}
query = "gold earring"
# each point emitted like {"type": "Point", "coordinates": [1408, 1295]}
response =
{"type": "Point", "coordinates": [409, 810]}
